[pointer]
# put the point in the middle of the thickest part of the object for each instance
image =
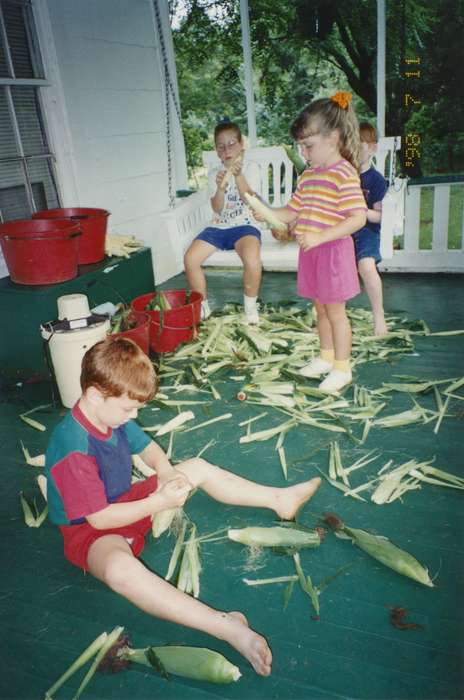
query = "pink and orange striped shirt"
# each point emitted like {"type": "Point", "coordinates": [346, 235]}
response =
{"type": "Point", "coordinates": [325, 196]}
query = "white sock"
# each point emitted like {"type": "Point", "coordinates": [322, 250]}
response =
{"type": "Point", "coordinates": [250, 304]}
{"type": "Point", "coordinates": [205, 310]}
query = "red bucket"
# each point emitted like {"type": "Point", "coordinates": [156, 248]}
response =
{"type": "Point", "coordinates": [93, 225]}
{"type": "Point", "coordinates": [40, 252]}
{"type": "Point", "coordinates": [179, 324]}
{"type": "Point", "coordinates": [141, 333]}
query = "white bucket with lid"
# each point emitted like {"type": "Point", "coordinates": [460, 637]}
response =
{"type": "Point", "coordinates": [68, 346]}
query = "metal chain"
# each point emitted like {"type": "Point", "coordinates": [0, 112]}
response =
{"type": "Point", "coordinates": [169, 92]}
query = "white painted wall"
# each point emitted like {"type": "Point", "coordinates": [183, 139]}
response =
{"type": "Point", "coordinates": [105, 113]}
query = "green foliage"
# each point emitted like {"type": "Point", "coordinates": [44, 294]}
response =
{"type": "Point", "coordinates": [305, 49]}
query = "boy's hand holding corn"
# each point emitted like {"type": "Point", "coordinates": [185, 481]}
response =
{"type": "Point", "coordinates": [172, 493]}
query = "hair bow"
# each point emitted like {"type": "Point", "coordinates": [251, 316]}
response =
{"type": "Point", "coordinates": [343, 99]}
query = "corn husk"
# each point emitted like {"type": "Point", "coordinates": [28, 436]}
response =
{"type": "Point", "coordinates": [37, 461]}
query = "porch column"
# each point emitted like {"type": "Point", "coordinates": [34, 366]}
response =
{"type": "Point", "coordinates": [381, 67]}
{"type": "Point", "coordinates": [250, 97]}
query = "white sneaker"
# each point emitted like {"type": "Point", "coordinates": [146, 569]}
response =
{"type": "Point", "coordinates": [205, 310]}
{"type": "Point", "coordinates": [315, 368]}
{"type": "Point", "coordinates": [335, 381]}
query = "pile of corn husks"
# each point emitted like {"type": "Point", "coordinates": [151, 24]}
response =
{"type": "Point", "coordinates": [264, 361]}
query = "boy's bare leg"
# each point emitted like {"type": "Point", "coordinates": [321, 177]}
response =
{"type": "Point", "coordinates": [111, 560]}
{"type": "Point", "coordinates": [341, 330]}
{"type": "Point", "coordinates": [197, 253]}
{"type": "Point", "coordinates": [248, 249]}
{"type": "Point", "coordinates": [373, 284]}
{"type": "Point", "coordinates": [226, 487]}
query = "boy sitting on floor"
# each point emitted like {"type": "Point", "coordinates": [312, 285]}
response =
{"type": "Point", "coordinates": [104, 519]}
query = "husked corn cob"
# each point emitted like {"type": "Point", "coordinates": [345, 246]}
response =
{"type": "Point", "coordinates": [265, 211]}
{"type": "Point", "coordinates": [163, 520]}
{"type": "Point", "coordinates": [275, 537]}
{"type": "Point", "coordinates": [190, 662]}
{"type": "Point", "coordinates": [228, 173]}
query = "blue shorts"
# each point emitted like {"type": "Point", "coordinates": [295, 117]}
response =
{"type": "Point", "coordinates": [226, 238]}
{"type": "Point", "coordinates": [367, 244]}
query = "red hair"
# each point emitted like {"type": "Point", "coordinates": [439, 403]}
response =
{"type": "Point", "coordinates": [117, 366]}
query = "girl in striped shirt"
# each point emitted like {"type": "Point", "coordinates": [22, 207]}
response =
{"type": "Point", "coordinates": [326, 208]}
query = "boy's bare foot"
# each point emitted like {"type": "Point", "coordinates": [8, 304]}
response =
{"type": "Point", "coordinates": [290, 499]}
{"type": "Point", "coordinates": [248, 643]}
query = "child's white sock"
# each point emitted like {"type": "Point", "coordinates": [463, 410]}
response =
{"type": "Point", "coordinates": [251, 309]}
{"type": "Point", "coordinates": [205, 310]}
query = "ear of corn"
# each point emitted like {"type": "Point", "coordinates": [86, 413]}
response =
{"type": "Point", "coordinates": [190, 662]}
{"type": "Point", "coordinates": [295, 157]}
{"type": "Point", "coordinates": [266, 212]}
{"type": "Point", "coordinates": [275, 537]}
{"type": "Point", "coordinates": [389, 554]}
{"type": "Point", "coordinates": [163, 520]}
{"type": "Point", "coordinates": [228, 173]}
{"type": "Point", "coordinates": [382, 549]}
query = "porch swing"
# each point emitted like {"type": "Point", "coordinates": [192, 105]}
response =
{"type": "Point", "coordinates": [186, 217]}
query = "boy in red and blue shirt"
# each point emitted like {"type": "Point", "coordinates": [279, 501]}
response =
{"type": "Point", "coordinates": [104, 518]}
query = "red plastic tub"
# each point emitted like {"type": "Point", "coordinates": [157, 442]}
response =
{"type": "Point", "coordinates": [40, 251]}
{"type": "Point", "coordinates": [93, 223]}
{"type": "Point", "coordinates": [141, 333]}
{"type": "Point", "coordinates": [178, 325]}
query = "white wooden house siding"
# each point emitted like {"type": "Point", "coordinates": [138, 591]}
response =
{"type": "Point", "coordinates": [104, 111]}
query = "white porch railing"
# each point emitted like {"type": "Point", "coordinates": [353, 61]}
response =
{"type": "Point", "coordinates": [447, 213]}
{"type": "Point", "coordinates": [401, 220]}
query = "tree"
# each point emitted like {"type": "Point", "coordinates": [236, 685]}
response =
{"type": "Point", "coordinates": [305, 48]}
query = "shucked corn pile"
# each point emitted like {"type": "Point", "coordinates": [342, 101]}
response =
{"type": "Point", "coordinates": [264, 362]}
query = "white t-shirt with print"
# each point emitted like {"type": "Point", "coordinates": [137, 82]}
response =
{"type": "Point", "coordinates": [235, 212]}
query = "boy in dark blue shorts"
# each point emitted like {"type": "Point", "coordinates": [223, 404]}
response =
{"type": "Point", "coordinates": [233, 226]}
{"type": "Point", "coordinates": [367, 239]}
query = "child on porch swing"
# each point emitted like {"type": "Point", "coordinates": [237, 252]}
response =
{"type": "Point", "coordinates": [232, 226]}
{"type": "Point", "coordinates": [326, 208]}
{"type": "Point", "coordinates": [104, 518]}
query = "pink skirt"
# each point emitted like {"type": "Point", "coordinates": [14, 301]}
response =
{"type": "Point", "coordinates": [328, 273]}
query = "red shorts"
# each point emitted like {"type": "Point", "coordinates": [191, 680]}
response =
{"type": "Point", "coordinates": [79, 538]}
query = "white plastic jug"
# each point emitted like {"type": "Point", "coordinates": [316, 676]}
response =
{"type": "Point", "coordinates": [68, 347]}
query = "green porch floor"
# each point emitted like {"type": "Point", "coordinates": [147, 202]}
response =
{"type": "Point", "coordinates": [50, 611]}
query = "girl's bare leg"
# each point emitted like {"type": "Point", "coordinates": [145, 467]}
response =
{"type": "Point", "coordinates": [111, 560]}
{"type": "Point", "coordinates": [226, 487]}
{"type": "Point", "coordinates": [324, 327]}
{"type": "Point", "coordinates": [341, 330]}
{"type": "Point", "coordinates": [195, 256]}
{"type": "Point", "coordinates": [249, 251]}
